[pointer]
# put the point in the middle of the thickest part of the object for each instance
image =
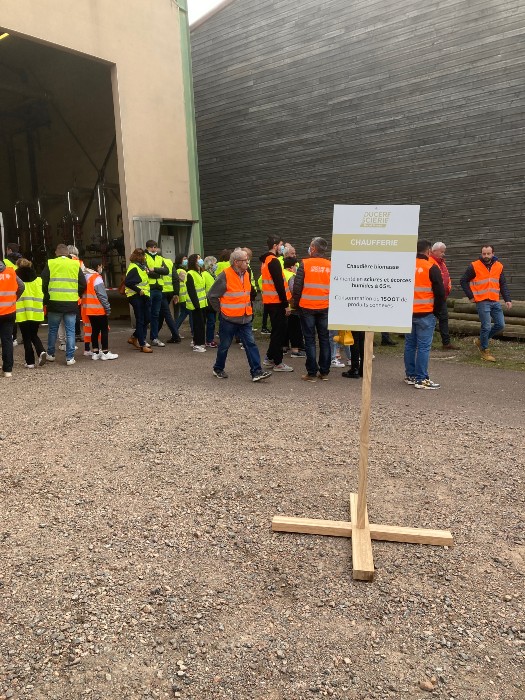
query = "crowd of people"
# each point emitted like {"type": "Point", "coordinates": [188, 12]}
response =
{"type": "Point", "coordinates": [220, 292]}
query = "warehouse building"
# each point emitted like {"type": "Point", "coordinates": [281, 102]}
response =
{"type": "Point", "coordinates": [97, 142]}
{"type": "Point", "coordinates": [301, 105]}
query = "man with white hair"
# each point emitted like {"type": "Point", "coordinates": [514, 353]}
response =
{"type": "Point", "coordinates": [437, 256]}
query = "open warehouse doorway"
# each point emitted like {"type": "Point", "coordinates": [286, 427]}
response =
{"type": "Point", "coordinates": [59, 177]}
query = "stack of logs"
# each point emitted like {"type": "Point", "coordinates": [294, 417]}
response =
{"type": "Point", "coordinates": [463, 318]}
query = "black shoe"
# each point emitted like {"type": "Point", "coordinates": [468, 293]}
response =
{"type": "Point", "coordinates": [388, 342]}
{"type": "Point", "coordinates": [351, 374]}
{"type": "Point", "coordinates": [174, 340]}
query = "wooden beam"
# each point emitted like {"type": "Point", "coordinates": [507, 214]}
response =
{"type": "Point", "coordinates": [364, 430]}
{"type": "Point", "coordinates": [342, 528]}
{"type": "Point", "coordinates": [362, 555]}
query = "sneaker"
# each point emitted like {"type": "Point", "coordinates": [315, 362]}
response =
{"type": "Point", "coordinates": [410, 380]}
{"type": "Point", "coordinates": [70, 362]}
{"type": "Point", "coordinates": [425, 384]}
{"type": "Point", "coordinates": [324, 377]}
{"type": "Point", "coordinates": [265, 331]}
{"type": "Point", "coordinates": [29, 366]}
{"type": "Point", "coordinates": [241, 346]}
{"type": "Point", "coordinates": [181, 337]}
{"type": "Point", "coordinates": [15, 342]}
{"type": "Point", "coordinates": [282, 368]}
{"type": "Point", "coordinates": [95, 355]}
{"type": "Point", "coordinates": [108, 355]}
{"type": "Point", "coordinates": [158, 343]}
{"type": "Point", "coordinates": [299, 353]}
{"type": "Point", "coordinates": [50, 358]}
{"type": "Point", "coordinates": [134, 341]}
{"type": "Point", "coordinates": [220, 374]}
{"type": "Point", "coordinates": [309, 378]}
{"type": "Point", "coordinates": [8, 374]}
{"type": "Point", "coordinates": [191, 343]}
{"type": "Point", "coordinates": [147, 345]}
{"type": "Point", "coordinates": [261, 375]}
{"type": "Point", "coordinates": [88, 353]}
{"type": "Point", "coordinates": [42, 358]}
{"type": "Point", "coordinates": [174, 340]}
{"type": "Point", "coordinates": [337, 363]}
{"type": "Point", "coordinates": [62, 346]}
{"type": "Point", "coordinates": [213, 344]}
{"type": "Point", "coordinates": [351, 374]}
{"type": "Point", "coordinates": [268, 363]}
{"type": "Point", "coordinates": [199, 348]}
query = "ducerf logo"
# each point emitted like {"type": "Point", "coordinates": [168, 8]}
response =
{"type": "Point", "coordinates": [375, 219]}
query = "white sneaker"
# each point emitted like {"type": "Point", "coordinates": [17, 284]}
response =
{"type": "Point", "coordinates": [268, 363]}
{"type": "Point", "coordinates": [158, 343]}
{"type": "Point", "coordinates": [29, 366]}
{"type": "Point", "coordinates": [199, 348]}
{"type": "Point", "coordinates": [8, 374]}
{"type": "Point", "coordinates": [282, 368]}
{"type": "Point", "coordinates": [15, 342]}
{"type": "Point", "coordinates": [42, 358]}
{"type": "Point", "coordinates": [337, 363]}
{"type": "Point", "coordinates": [95, 356]}
{"type": "Point", "coordinates": [62, 346]}
{"type": "Point", "coordinates": [147, 345]}
{"type": "Point", "coordinates": [70, 362]}
{"type": "Point", "coordinates": [108, 355]}
{"type": "Point", "coordinates": [50, 358]}
{"type": "Point", "coordinates": [88, 353]}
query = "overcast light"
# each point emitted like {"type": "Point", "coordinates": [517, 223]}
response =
{"type": "Point", "coordinates": [198, 8]}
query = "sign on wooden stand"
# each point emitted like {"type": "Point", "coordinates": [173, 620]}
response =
{"type": "Point", "coordinates": [371, 289]}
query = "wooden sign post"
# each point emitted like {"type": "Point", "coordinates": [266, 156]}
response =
{"type": "Point", "coordinates": [358, 528]}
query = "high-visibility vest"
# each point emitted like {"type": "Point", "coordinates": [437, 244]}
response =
{"type": "Point", "coordinates": [8, 290]}
{"type": "Point", "coordinates": [485, 284]}
{"type": "Point", "coordinates": [200, 290]}
{"type": "Point", "coordinates": [9, 263]}
{"type": "Point", "coordinates": [63, 279]}
{"type": "Point", "coordinates": [30, 306]}
{"type": "Point", "coordinates": [168, 279]}
{"type": "Point", "coordinates": [236, 299]}
{"type": "Point", "coordinates": [316, 286]}
{"type": "Point", "coordinates": [209, 280]}
{"type": "Point", "coordinates": [269, 293]}
{"type": "Point", "coordinates": [144, 280]}
{"type": "Point", "coordinates": [223, 265]}
{"type": "Point", "coordinates": [90, 303]}
{"type": "Point", "coordinates": [288, 276]}
{"type": "Point", "coordinates": [153, 261]}
{"type": "Point", "coordinates": [183, 294]}
{"type": "Point", "coordinates": [423, 293]}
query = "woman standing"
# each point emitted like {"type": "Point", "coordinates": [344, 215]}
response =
{"type": "Point", "coordinates": [95, 305]}
{"type": "Point", "coordinates": [30, 313]}
{"type": "Point", "coordinates": [197, 302]}
{"type": "Point", "coordinates": [181, 265]}
{"type": "Point", "coordinates": [137, 291]}
{"type": "Point", "coordinates": [210, 265]}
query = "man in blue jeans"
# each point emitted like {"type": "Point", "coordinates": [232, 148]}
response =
{"type": "Point", "coordinates": [483, 282]}
{"type": "Point", "coordinates": [157, 270]}
{"type": "Point", "coordinates": [429, 296]}
{"type": "Point", "coordinates": [230, 295]}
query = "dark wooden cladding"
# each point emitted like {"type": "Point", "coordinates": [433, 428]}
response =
{"type": "Point", "coordinates": [302, 104]}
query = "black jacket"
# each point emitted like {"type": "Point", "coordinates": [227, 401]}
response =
{"type": "Point", "coordinates": [276, 271]}
{"type": "Point", "coordinates": [470, 273]}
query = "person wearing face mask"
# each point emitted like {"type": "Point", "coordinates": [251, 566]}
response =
{"type": "Point", "coordinates": [209, 275]}
{"type": "Point", "coordinates": [170, 293]}
{"type": "Point", "coordinates": [223, 261]}
{"type": "Point", "coordinates": [157, 270]}
{"type": "Point", "coordinates": [181, 265]}
{"type": "Point", "coordinates": [483, 281]}
{"type": "Point", "coordinates": [197, 302]}
{"type": "Point", "coordinates": [96, 308]}
{"type": "Point", "coordinates": [137, 292]}
{"type": "Point", "coordinates": [276, 295]}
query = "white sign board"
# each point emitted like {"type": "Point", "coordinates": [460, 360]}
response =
{"type": "Point", "coordinates": [373, 267]}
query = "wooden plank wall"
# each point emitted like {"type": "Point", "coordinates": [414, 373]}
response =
{"type": "Point", "coordinates": [302, 104]}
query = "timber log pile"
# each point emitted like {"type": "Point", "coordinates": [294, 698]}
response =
{"type": "Point", "coordinates": [463, 318]}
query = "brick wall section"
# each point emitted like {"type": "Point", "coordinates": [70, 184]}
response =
{"type": "Point", "coordinates": [301, 105]}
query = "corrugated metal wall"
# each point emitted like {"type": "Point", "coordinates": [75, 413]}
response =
{"type": "Point", "coordinates": [303, 104]}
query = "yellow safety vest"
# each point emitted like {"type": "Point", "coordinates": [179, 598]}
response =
{"type": "Point", "coordinates": [200, 290]}
{"type": "Point", "coordinates": [168, 279]}
{"type": "Point", "coordinates": [8, 263]}
{"type": "Point", "coordinates": [222, 266]}
{"type": "Point", "coordinates": [209, 280]}
{"type": "Point", "coordinates": [30, 306]}
{"type": "Point", "coordinates": [63, 279]}
{"type": "Point", "coordinates": [144, 281]}
{"type": "Point", "coordinates": [183, 294]}
{"type": "Point", "coordinates": [152, 262]}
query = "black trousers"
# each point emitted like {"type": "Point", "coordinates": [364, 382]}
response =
{"type": "Point", "coordinates": [7, 323]}
{"type": "Point", "coordinates": [277, 315]}
{"type": "Point", "coordinates": [442, 318]}
{"type": "Point", "coordinates": [29, 330]}
{"type": "Point", "coordinates": [265, 316]}
{"type": "Point", "coordinates": [198, 326]}
{"type": "Point", "coordinates": [99, 326]}
{"type": "Point", "coordinates": [357, 352]}
{"type": "Point", "coordinates": [295, 334]}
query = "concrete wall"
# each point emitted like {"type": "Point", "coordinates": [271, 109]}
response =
{"type": "Point", "coordinates": [141, 42]}
{"type": "Point", "coordinates": [301, 105]}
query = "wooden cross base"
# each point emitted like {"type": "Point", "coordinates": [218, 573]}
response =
{"type": "Point", "coordinates": [362, 557]}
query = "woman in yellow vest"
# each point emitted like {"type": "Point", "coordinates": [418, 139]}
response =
{"type": "Point", "coordinates": [197, 301]}
{"type": "Point", "coordinates": [181, 264]}
{"type": "Point", "coordinates": [137, 291]}
{"type": "Point", "coordinates": [210, 267]}
{"type": "Point", "coordinates": [30, 313]}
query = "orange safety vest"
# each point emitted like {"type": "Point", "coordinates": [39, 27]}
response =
{"type": "Point", "coordinates": [269, 293]}
{"type": "Point", "coordinates": [316, 287]}
{"type": "Point", "coordinates": [485, 284]}
{"type": "Point", "coordinates": [423, 294]}
{"type": "Point", "coordinates": [8, 290]}
{"type": "Point", "coordinates": [91, 306]}
{"type": "Point", "coordinates": [236, 299]}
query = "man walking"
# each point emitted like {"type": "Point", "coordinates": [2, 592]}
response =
{"type": "Point", "coordinates": [275, 296]}
{"type": "Point", "coordinates": [438, 257]}
{"type": "Point", "coordinates": [157, 270]}
{"type": "Point", "coordinates": [311, 292]}
{"type": "Point", "coordinates": [230, 295]}
{"type": "Point", "coordinates": [429, 295]}
{"type": "Point", "coordinates": [483, 282]}
{"type": "Point", "coordinates": [63, 283]}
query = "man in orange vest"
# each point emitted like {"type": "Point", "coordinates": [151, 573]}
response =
{"type": "Point", "coordinates": [311, 291]}
{"type": "Point", "coordinates": [483, 282]}
{"type": "Point", "coordinates": [231, 295]}
{"type": "Point", "coordinates": [11, 288]}
{"type": "Point", "coordinates": [429, 296]}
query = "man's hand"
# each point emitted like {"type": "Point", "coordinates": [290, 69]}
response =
{"type": "Point", "coordinates": [175, 299]}
{"type": "Point", "coordinates": [508, 304]}
{"type": "Point", "coordinates": [288, 311]}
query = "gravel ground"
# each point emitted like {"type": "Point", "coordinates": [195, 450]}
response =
{"type": "Point", "coordinates": [137, 559]}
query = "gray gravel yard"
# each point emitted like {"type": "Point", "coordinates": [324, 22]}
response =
{"type": "Point", "coordinates": [137, 559]}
